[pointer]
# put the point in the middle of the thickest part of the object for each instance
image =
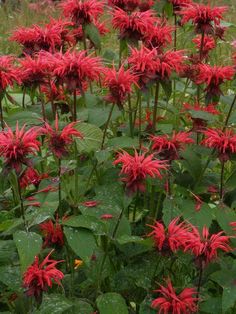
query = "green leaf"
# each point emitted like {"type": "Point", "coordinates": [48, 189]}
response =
{"type": "Point", "coordinates": [92, 137]}
{"type": "Point", "coordinates": [123, 142]}
{"type": "Point", "coordinates": [167, 87]}
{"type": "Point", "coordinates": [54, 304]}
{"type": "Point", "coordinates": [28, 245]}
{"type": "Point", "coordinates": [23, 117]}
{"type": "Point", "coordinates": [81, 307]}
{"type": "Point", "coordinates": [124, 239]}
{"type": "Point", "coordinates": [81, 241]}
{"type": "Point", "coordinates": [11, 277]}
{"type": "Point", "coordinates": [88, 222]}
{"type": "Point", "coordinates": [98, 116]}
{"type": "Point", "coordinates": [198, 114]}
{"type": "Point", "coordinates": [93, 34]}
{"type": "Point", "coordinates": [111, 303]}
{"type": "Point", "coordinates": [168, 8]}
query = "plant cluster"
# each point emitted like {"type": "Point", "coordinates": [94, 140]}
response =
{"type": "Point", "coordinates": [118, 166]}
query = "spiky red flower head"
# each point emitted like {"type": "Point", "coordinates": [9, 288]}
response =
{"type": "Point", "coordinates": [223, 141]}
{"type": "Point", "coordinates": [208, 44]}
{"type": "Point", "coordinates": [34, 71]}
{"type": "Point", "coordinates": [52, 232]}
{"type": "Point", "coordinates": [137, 168]}
{"type": "Point", "coordinates": [159, 36]}
{"type": "Point", "coordinates": [171, 302]}
{"type": "Point", "coordinates": [75, 68]}
{"type": "Point", "coordinates": [143, 64]}
{"type": "Point", "coordinates": [59, 140]}
{"type": "Point", "coordinates": [169, 61]}
{"type": "Point", "coordinates": [31, 176]}
{"type": "Point", "coordinates": [8, 73]}
{"type": "Point", "coordinates": [205, 247]}
{"type": "Point", "coordinates": [38, 277]}
{"type": "Point", "coordinates": [50, 37]}
{"type": "Point", "coordinates": [213, 77]}
{"type": "Point", "coordinates": [16, 146]}
{"type": "Point", "coordinates": [134, 26]}
{"type": "Point", "coordinates": [168, 147]}
{"type": "Point", "coordinates": [53, 92]}
{"type": "Point", "coordinates": [119, 83]}
{"type": "Point", "coordinates": [203, 17]}
{"type": "Point", "coordinates": [146, 5]}
{"type": "Point", "coordinates": [82, 12]}
{"type": "Point", "coordinates": [171, 239]}
{"type": "Point", "coordinates": [179, 4]}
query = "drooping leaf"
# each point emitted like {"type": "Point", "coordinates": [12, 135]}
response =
{"type": "Point", "coordinates": [81, 241]}
{"type": "Point", "coordinates": [93, 34]}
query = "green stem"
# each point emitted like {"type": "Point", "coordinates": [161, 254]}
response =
{"type": "Point", "coordinates": [200, 57]}
{"type": "Point", "coordinates": [59, 185]}
{"type": "Point", "coordinates": [135, 206]}
{"type": "Point", "coordinates": [99, 281]}
{"type": "Point", "coordinates": [74, 105]}
{"type": "Point", "coordinates": [229, 113]}
{"type": "Point", "coordinates": [1, 114]}
{"type": "Point", "coordinates": [21, 204]}
{"type": "Point", "coordinates": [222, 180]}
{"type": "Point", "coordinates": [106, 126]}
{"type": "Point", "coordinates": [140, 120]}
{"type": "Point", "coordinates": [118, 222]}
{"type": "Point", "coordinates": [155, 106]}
{"type": "Point", "coordinates": [23, 98]}
{"type": "Point", "coordinates": [130, 116]}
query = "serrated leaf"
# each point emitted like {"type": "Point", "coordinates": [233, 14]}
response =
{"type": "Point", "coordinates": [88, 222]}
{"type": "Point", "coordinates": [92, 137]}
{"type": "Point", "coordinates": [54, 304]}
{"type": "Point", "coordinates": [111, 302]}
{"type": "Point", "coordinates": [81, 241]}
{"type": "Point", "coordinates": [28, 246]}
{"type": "Point", "coordinates": [123, 142]}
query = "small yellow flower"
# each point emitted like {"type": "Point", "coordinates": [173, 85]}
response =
{"type": "Point", "coordinates": [78, 263]}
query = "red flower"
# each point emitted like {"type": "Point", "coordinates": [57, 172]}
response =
{"type": "Point", "coordinates": [143, 64]}
{"type": "Point", "coordinates": [49, 38]}
{"type": "Point", "coordinates": [38, 277]}
{"type": "Point", "coordinates": [180, 4]}
{"type": "Point", "coordinates": [172, 239]}
{"type": "Point", "coordinates": [31, 176]}
{"type": "Point", "coordinates": [170, 61]}
{"type": "Point", "coordinates": [8, 74]}
{"type": "Point", "coordinates": [168, 147]}
{"type": "Point", "coordinates": [233, 225]}
{"type": "Point", "coordinates": [133, 26]}
{"type": "Point", "coordinates": [53, 234]}
{"type": "Point", "coordinates": [106, 216]}
{"type": "Point", "coordinates": [159, 36]}
{"type": "Point", "coordinates": [15, 146]}
{"type": "Point", "coordinates": [213, 77]}
{"type": "Point", "coordinates": [91, 203]}
{"type": "Point", "coordinates": [82, 12]}
{"type": "Point", "coordinates": [171, 302]}
{"type": "Point", "coordinates": [35, 71]}
{"type": "Point", "coordinates": [208, 44]}
{"type": "Point", "coordinates": [204, 246]}
{"type": "Point", "coordinates": [119, 84]}
{"type": "Point", "coordinates": [223, 142]}
{"type": "Point", "coordinates": [137, 168]}
{"type": "Point", "coordinates": [203, 17]}
{"type": "Point", "coordinates": [75, 68]}
{"type": "Point", "coordinates": [59, 140]}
